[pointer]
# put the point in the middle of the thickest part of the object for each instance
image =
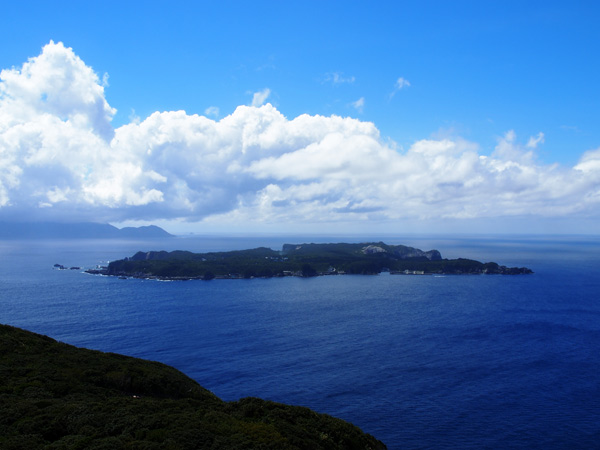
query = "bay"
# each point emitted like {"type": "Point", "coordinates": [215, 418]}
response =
{"type": "Point", "coordinates": [418, 361]}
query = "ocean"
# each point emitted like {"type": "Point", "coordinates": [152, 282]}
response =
{"type": "Point", "coordinates": [420, 362]}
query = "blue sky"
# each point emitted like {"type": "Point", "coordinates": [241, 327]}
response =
{"type": "Point", "coordinates": [509, 81]}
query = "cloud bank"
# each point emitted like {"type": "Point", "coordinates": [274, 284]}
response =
{"type": "Point", "coordinates": [60, 158]}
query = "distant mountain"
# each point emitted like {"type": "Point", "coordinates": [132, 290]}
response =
{"type": "Point", "coordinates": [86, 230]}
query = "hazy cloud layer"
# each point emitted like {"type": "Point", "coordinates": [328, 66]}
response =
{"type": "Point", "coordinates": [60, 157]}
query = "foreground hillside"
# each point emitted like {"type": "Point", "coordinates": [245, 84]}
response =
{"type": "Point", "coordinates": [56, 396]}
{"type": "Point", "coordinates": [304, 260]}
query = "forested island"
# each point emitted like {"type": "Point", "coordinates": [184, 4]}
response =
{"type": "Point", "coordinates": [302, 260]}
{"type": "Point", "coordinates": [56, 396]}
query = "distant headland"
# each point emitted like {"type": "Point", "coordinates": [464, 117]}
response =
{"type": "Point", "coordinates": [83, 230]}
{"type": "Point", "coordinates": [300, 260]}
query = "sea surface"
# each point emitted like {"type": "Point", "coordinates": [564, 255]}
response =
{"type": "Point", "coordinates": [420, 362]}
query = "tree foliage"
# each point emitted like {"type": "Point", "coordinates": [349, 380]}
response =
{"type": "Point", "coordinates": [56, 396]}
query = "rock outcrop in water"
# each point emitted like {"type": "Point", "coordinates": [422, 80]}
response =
{"type": "Point", "coordinates": [56, 396]}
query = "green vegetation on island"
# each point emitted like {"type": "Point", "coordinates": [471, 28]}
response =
{"type": "Point", "coordinates": [304, 260]}
{"type": "Point", "coordinates": [56, 396]}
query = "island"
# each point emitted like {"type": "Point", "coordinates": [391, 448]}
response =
{"type": "Point", "coordinates": [56, 396]}
{"type": "Point", "coordinates": [300, 260]}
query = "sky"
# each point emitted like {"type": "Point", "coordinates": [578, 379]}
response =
{"type": "Point", "coordinates": [313, 116]}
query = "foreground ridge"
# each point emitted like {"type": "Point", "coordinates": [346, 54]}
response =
{"type": "Point", "coordinates": [54, 395]}
{"type": "Point", "coordinates": [303, 260]}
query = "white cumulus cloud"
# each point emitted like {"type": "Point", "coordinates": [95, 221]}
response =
{"type": "Point", "coordinates": [60, 157]}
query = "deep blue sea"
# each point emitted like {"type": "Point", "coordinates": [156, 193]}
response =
{"type": "Point", "coordinates": [420, 362]}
